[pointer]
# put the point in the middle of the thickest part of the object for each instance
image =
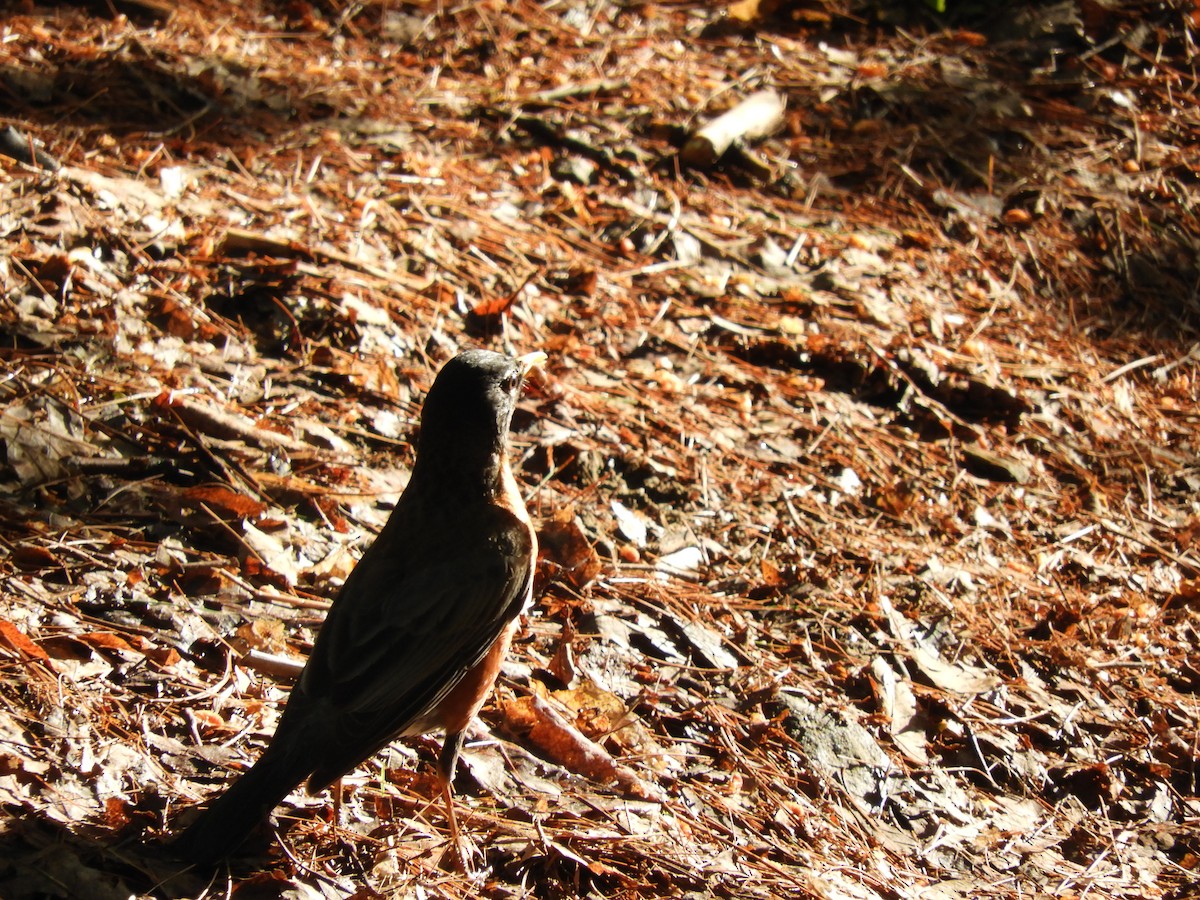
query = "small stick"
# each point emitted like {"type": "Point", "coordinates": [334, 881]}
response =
{"type": "Point", "coordinates": [755, 117]}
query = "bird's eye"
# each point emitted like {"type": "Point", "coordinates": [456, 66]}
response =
{"type": "Point", "coordinates": [509, 383]}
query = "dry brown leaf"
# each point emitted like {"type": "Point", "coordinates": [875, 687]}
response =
{"type": "Point", "coordinates": [581, 282]}
{"type": "Point", "coordinates": [163, 657]}
{"type": "Point", "coordinates": [224, 501]}
{"type": "Point", "coordinates": [107, 640]}
{"type": "Point", "coordinates": [34, 556]}
{"type": "Point", "coordinates": [562, 541]}
{"type": "Point", "coordinates": [562, 664]}
{"type": "Point", "coordinates": [493, 308]}
{"type": "Point", "coordinates": [263, 633]}
{"type": "Point", "coordinates": [19, 643]}
{"type": "Point", "coordinates": [116, 813]}
{"type": "Point", "coordinates": [208, 721]}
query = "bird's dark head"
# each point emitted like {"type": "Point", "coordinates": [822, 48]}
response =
{"type": "Point", "coordinates": [468, 410]}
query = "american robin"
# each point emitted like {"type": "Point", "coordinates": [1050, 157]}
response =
{"type": "Point", "coordinates": [414, 640]}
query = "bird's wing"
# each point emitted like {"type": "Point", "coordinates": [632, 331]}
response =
{"type": "Point", "coordinates": [407, 627]}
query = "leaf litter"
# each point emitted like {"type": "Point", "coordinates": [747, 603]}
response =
{"type": "Point", "coordinates": [866, 458]}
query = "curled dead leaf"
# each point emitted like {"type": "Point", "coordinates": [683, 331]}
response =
{"type": "Point", "coordinates": [562, 664]}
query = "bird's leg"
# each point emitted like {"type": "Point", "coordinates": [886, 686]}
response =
{"type": "Point", "coordinates": [447, 762]}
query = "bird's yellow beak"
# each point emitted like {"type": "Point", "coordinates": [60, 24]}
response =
{"type": "Point", "coordinates": [531, 360]}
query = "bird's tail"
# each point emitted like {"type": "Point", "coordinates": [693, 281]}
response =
{"type": "Point", "coordinates": [231, 818]}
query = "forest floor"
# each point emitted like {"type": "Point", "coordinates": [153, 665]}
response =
{"type": "Point", "coordinates": [866, 459]}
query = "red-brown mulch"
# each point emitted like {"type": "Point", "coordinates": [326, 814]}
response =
{"type": "Point", "coordinates": [866, 461]}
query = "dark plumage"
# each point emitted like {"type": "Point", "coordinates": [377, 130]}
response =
{"type": "Point", "coordinates": [415, 638]}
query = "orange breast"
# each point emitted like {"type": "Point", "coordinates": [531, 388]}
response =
{"type": "Point", "coordinates": [462, 703]}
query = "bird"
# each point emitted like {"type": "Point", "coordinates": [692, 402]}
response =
{"type": "Point", "coordinates": [414, 640]}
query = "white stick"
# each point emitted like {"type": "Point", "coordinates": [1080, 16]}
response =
{"type": "Point", "coordinates": [755, 117]}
